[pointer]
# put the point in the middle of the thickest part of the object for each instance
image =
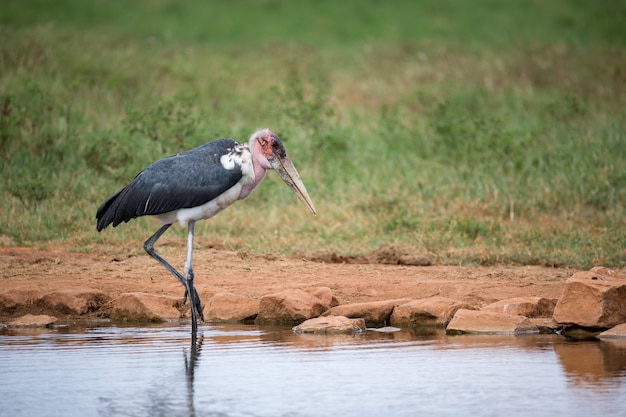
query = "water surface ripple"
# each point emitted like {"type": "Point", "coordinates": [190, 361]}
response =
{"type": "Point", "coordinates": [270, 371]}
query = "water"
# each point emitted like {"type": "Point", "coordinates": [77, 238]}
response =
{"type": "Point", "coordinates": [264, 371]}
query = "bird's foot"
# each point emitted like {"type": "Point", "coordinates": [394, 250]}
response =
{"type": "Point", "coordinates": [199, 311]}
{"type": "Point", "coordinates": [196, 301]}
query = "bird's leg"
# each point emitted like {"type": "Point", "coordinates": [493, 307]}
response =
{"type": "Point", "coordinates": [149, 248]}
{"type": "Point", "coordinates": [148, 245]}
{"type": "Point", "coordinates": [194, 298]}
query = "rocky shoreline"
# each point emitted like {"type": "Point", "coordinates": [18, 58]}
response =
{"type": "Point", "coordinates": [592, 304]}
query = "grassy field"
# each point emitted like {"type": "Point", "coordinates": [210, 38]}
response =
{"type": "Point", "coordinates": [483, 132]}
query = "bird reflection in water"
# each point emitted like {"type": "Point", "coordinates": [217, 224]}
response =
{"type": "Point", "coordinates": [191, 361]}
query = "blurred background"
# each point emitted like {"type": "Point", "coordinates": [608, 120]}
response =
{"type": "Point", "coordinates": [474, 132]}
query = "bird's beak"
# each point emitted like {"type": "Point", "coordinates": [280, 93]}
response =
{"type": "Point", "coordinates": [289, 174]}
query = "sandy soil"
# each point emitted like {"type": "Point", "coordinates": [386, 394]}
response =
{"type": "Point", "coordinates": [258, 275]}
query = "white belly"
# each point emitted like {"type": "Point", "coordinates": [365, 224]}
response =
{"type": "Point", "coordinates": [205, 211]}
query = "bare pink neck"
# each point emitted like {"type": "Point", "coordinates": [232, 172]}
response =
{"type": "Point", "coordinates": [258, 163]}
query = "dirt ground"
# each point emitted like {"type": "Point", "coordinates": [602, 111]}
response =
{"type": "Point", "coordinates": [127, 269]}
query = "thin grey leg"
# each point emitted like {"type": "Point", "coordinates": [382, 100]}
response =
{"type": "Point", "coordinates": [148, 245]}
{"type": "Point", "coordinates": [194, 299]}
{"type": "Point", "coordinates": [189, 270]}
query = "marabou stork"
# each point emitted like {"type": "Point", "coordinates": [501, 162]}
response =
{"type": "Point", "coordinates": [198, 184]}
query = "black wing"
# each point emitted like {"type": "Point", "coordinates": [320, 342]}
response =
{"type": "Point", "coordinates": [184, 180]}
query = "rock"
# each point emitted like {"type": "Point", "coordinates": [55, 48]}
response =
{"type": "Point", "coordinates": [76, 301]}
{"type": "Point", "coordinates": [386, 329]}
{"type": "Point", "coordinates": [294, 305]}
{"type": "Point", "coordinates": [325, 295]}
{"type": "Point", "coordinates": [138, 306]}
{"type": "Point", "coordinates": [229, 307]}
{"type": "Point", "coordinates": [430, 312]}
{"type": "Point", "coordinates": [617, 332]}
{"type": "Point", "coordinates": [30, 320]}
{"type": "Point", "coordinates": [15, 298]}
{"type": "Point", "coordinates": [593, 299]}
{"type": "Point", "coordinates": [331, 325]}
{"type": "Point", "coordinates": [470, 321]}
{"type": "Point", "coordinates": [375, 312]}
{"type": "Point", "coordinates": [523, 306]}
{"type": "Point", "coordinates": [545, 324]}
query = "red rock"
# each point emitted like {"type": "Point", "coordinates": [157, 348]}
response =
{"type": "Point", "coordinates": [16, 298]}
{"type": "Point", "coordinates": [434, 311]}
{"type": "Point", "coordinates": [331, 325]}
{"type": "Point", "coordinates": [293, 306]}
{"type": "Point", "coordinates": [593, 299]}
{"type": "Point", "coordinates": [325, 295]}
{"type": "Point", "coordinates": [545, 324]}
{"type": "Point", "coordinates": [375, 312]}
{"type": "Point", "coordinates": [523, 306]}
{"type": "Point", "coordinates": [139, 306]}
{"type": "Point", "coordinates": [617, 332]}
{"type": "Point", "coordinates": [76, 301]}
{"type": "Point", "coordinates": [470, 321]}
{"type": "Point", "coordinates": [229, 307]}
{"type": "Point", "coordinates": [29, 320]}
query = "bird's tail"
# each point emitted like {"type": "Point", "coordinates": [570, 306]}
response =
{"type": "Point", "coordinates": [105, 213]}
{"type": "Point", "coordinates": [114, 210]}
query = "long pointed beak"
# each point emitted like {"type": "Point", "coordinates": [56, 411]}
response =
{"type": "Point", "coordinates": [289, 174]}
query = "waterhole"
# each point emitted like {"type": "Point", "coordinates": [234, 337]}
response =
{"type": "Point", "coordinates": [238, 370]}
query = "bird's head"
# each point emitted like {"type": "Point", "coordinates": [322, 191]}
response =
{"type": "Point", "coordinates": [269, 152]}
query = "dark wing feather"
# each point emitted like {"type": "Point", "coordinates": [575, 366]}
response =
{"type": "Point", "coordinates": [184, 180]}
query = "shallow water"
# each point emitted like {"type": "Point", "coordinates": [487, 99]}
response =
{"type": "Point", "coordinates": [265, 371]}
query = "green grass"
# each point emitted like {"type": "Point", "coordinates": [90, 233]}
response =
{"type": "Point", "coordinates": [491, 133]}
